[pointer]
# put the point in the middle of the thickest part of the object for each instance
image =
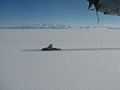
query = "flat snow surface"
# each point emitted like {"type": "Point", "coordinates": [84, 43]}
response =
{"type": "Point", "coordinates": [80, 70]}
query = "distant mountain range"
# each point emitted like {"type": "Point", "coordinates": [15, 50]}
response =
{"type": "Point", "coordinates": [56, 26]}
{"type": "Point", "coordinates": [38, 26]}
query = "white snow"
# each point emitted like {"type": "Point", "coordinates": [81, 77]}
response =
{"type": "Point", "coordinates": [84, 70]}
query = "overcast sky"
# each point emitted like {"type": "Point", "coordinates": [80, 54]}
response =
{"type": "Point", "coordinates": [73, 12]}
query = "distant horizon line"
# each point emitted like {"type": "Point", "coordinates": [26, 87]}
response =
{"type": "Point", "coordinates": [56, 26]}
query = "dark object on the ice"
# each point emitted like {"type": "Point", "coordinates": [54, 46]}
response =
{"type": "Point", "coordinates": [50, 48]}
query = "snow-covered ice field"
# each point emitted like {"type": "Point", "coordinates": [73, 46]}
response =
{"type": "Point", "coordinates": [83, 70]}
